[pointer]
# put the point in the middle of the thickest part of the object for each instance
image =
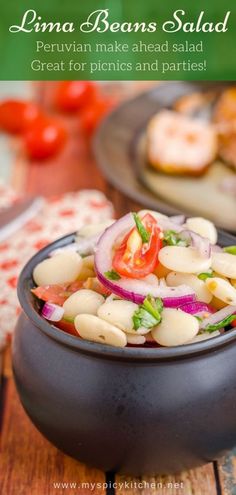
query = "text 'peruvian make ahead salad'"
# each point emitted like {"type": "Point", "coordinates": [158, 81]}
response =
{"type": "Point", "coordinates": [144, 280]}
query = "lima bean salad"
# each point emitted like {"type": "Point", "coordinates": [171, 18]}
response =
{"type": "Point", "coordinates": [145, 280]}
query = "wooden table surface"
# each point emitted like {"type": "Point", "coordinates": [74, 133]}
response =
{"type": "Point", "coordinates": [29, 465]}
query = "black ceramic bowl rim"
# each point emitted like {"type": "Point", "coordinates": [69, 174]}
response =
{"type": "Point", "coordinates": [77, 344]}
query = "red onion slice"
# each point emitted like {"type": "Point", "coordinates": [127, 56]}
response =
{"type": "Point", "coordinates": [133, 289]}
{"type": "Point", "coordinates": [196, 308]}
{"type": "Point", "coordinates": [178, 219]}
{"type": "Point", "coordinates": [202, 244]}
{"type": "Point", "coordinates": [216, 249]}
{"type": "Point", "coordinates": [52, 312]}
{"type": "Point", "coordinates": [218, 316]}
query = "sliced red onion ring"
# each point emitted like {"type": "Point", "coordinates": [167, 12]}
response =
{"type": "Point", "coordinates": [196, 308]}
{"type": "Point", "coordinates": [216, 249]}
{"type": "Point", "coordinates": [178, 219]}
{"type": "Point", "coordinates": [133, 289]}
{"type": "Point", "coordinates": [52, 312]}
{"type": "Point", "coordinates": [202, 244]}
{"type": "Point", "coordinates": [166, 223]}
{"type": "Point", "coordinates": [218, 316]}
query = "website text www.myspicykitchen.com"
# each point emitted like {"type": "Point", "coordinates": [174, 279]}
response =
{"type": "Point", "coordinates": [118, 485]}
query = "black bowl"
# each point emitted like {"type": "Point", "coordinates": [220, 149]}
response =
{"type": "Point", "coordinates": [133, 410]}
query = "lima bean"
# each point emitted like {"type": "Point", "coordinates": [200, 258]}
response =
{"type": "Point", "coordinates": [183, 259]}
{"type": "Point", "coordinates": [224, 264]}
{"type": "Point", "coordinates": [203, 294]}
{"type": "Point", "coordinates": [222, 289]}
{"type": "Point", "coordinates": [82, 301]}
{"type": "Point", "coordinates": [203, 227]}
{"type": "Point", "coordinates": [176, 328]}
{"type": "Point", "coordinates": [95, 329]}
{"type": "Point", "coordinates": [61, 268]}
{"type": "Point", "coordinates": [120, 313]}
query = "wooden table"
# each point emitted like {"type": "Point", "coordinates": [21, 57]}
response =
{"type": "Point", "coordinates": [29, 465]}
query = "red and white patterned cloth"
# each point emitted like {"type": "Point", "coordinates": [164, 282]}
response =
{"type": "Point", "coordinates": [59, 215]}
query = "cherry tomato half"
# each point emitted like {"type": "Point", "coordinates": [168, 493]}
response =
{"type": "Point", "coordinates": [45, 138]}
{"type": "Point", "coordinates": [67, 327]}
{"type": "Point", "coordinates": [93, 113]}
{"type": "Point", "coordinates": [57, 293]}
{"type": "Point", "coordinates": [17, 115]}
{"type": "Point", "coordinates": [135, 259]}
{"type": "Point", "coordinates": [73, 95]}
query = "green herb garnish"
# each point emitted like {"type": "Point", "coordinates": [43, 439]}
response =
{"type": "Point", "coordinates": [112, 275]}
{"type": "Point", "coordinates": [149, 313]}
{"type": "Point", "coordinates": [205, 275]}
{"type": "Point", "coordinates": [172, 238]}
{"type": "Point", "coordinates": [144, 234]}
{"type": "Point", "coordinates": [230, 249]}
{"type": "Point", "coordinates": [223, 323]}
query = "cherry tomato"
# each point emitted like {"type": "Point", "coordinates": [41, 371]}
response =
{"type": "Point", "coordinates": [93, 113]}
{"type": "Point", "coordinates": [67, 327]}
{"type": "Point", "coordinates": [45, 138]}
{"type": "Point", "coordinates": [73, 95]}
{"type": "Point", "coordinates": [233, 323]}
{"type": "Point", "coordinates": [135, 259]}
{"type": "Point", "coordinates": [17, 115]}
{"type": "Point", "coordinates": [57, 293]}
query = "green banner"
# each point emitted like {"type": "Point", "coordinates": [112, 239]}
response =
{"type": "Point", "coordinates": [118, 40]}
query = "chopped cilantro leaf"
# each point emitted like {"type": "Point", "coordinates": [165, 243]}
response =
{"type": "Point", "coordinates": [172, 238]}
{"type": "Point", "coordinates": [220, 324]}
{"type": "Point", "coordinates": [112, 275]}
{"type": "Point", "coordinates": [144, 234]}
{"type": "Point", "coordinates": [149, 313]}
{"type": "Point", "coordinates": [230, 249]}
{"type": "Point", "coordinates": [205, 275]}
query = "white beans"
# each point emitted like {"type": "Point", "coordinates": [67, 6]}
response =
{"type": "Point", "coordinates": [120, 313]}
{"type": "Point", "coordinates": [135, 339]}
{"type": "Point", "coordinates": [222, 289]}
{"type": "Point", "coordinates": [83, 301]}
{"type": "Point", "coordinates": [92, 328]}
{"type": "Point", "coordinates": [224, 264]}
{"type": "Point", "coordinates": [94, 228]}
{"type": "Point", "coordinates": [61, 268]}
{"type": "Point", "coordinates": [202, 292]}
{"type": "Point", "coordinates": [203, 227]}
{"type": "Point", "coordinates": [183, 259]}
{"type": "Point", "coordinates": [176, 328]}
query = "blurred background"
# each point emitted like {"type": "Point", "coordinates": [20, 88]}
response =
{"type": "Point", "coordinates": [65, 168]}
{"type": "Point", "coordinates": [169, 145]}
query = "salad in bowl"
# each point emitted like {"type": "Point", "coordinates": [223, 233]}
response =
{"type": "Point", "coordinates": [144, 280]}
